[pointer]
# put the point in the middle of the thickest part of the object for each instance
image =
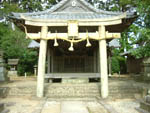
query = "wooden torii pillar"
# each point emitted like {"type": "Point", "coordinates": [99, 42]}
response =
{"type": "Point", "coordinates": [103, 62]}
{"type": "Point", "coordinates": [41, 62]}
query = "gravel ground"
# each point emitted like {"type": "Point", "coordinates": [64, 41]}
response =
{"type": "Point", "coordinates": [125, 105]}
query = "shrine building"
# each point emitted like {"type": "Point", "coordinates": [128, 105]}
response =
{"type": "Point", "coordinates": [73, 38]}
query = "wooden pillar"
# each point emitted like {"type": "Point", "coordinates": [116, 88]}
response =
{"type": "Point", "coordinates": [41, 62]}
{"type": "Point", "coordinates": [52, 60]}
{"type": "Point", "coordinates": [103, 63]}
{"type": "Point", "coordinates": [95, 62]}
{"type": "Point", "coordinates": [109, 65]}
{"type": "Point", "coordinates": [98, 60]}
{"type": "Point", "coordinates": [48, 60]}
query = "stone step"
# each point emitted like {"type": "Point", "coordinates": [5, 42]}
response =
{"type": "Point", "coordinates": [89, 90]}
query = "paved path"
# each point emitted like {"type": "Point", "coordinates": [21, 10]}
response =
{"type": "Point", "coordinates": [51, 107]}
{"type": "Point", "coordinates": [73, 107]}
{"type": "Point", "coordinates": [25, 105]}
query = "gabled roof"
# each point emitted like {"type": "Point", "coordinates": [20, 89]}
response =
{"type": "Point", "coordinates": [114, 43]}
{"type": "Point", "coordinates": [71, 10]}
{"type": "Point", "coordinates": [33, 44]}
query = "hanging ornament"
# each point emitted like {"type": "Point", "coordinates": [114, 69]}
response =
{"type": "Point", "coordinates": [71, 47]}
{"type": "Point", "coordinates": [55, 41]}
{"type": "Point", "coordinates": [88, 44]}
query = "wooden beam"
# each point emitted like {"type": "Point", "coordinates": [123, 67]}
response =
{"type": "Point", "coordinates": [113, 35]}
{"type": "Point", "coordinates": [82, 23]}
{"type": "Point", "coordinates": [81, 37]}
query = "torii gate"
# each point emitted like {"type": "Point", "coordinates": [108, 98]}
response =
{"type": "Point", "coordinates": [73, 14]}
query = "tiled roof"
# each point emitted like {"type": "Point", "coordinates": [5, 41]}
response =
{"type": "Point", "coordinates": [72, 16]}
{"type": "Point", "coordinates": [53, 14]}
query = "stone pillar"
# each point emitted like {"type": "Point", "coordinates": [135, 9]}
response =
{"type": "Point", "coordinates": [41, 62]}
{"type": "Point", "coordinates": [103, 63]}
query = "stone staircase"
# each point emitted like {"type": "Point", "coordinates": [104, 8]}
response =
{"type": "Point", "coordinates": [84, 91]}
{"type": "Point", "coordinates": [91, 90]}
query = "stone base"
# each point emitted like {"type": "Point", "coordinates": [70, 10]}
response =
{"type": "Point", "coordinates": [145, 106]}
{"type": "Point", "coordinates": [75, 80]}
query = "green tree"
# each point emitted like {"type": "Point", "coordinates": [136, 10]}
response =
{"type": "Point", "coordinates": [13, 42]}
